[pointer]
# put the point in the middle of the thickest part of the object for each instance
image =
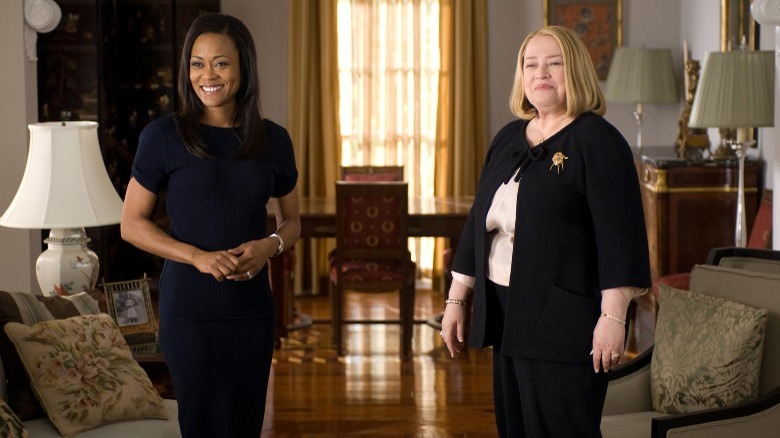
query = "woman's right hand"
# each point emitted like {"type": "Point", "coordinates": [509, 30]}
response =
{"type": "Point", "coordinates": [453, 323]}
{"type": "Point", "coordinates": [218, 264]}
{"type": "Point", "coordinates": [453, 328]}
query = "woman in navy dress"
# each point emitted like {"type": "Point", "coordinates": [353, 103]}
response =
{"type": "Point", "coordinates": [220, 164]}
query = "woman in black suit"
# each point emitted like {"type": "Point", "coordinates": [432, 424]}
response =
{"type": "Point", "coordinates": [554, 249]}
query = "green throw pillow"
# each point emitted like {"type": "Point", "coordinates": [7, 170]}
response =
{"type": "Point", "coordinates": [84, 374]}
{"type": "Point", "coordinates": [707, 352]}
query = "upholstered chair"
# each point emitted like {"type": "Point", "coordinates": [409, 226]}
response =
{"type": "Point", "coordinates": [372, 253]}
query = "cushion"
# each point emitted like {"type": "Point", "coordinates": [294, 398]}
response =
{"type": "Point", "coordinates": [151, 428]}
{"type": "Point", "coordinates": [752, 264]}
{"type": "Point", "coordinates": [84, 373]}
{"type": "Point", "coordinates": [707, 352]}
{"type": "Point", "coordinates": [757, 289]}
{"type": "Point", "coordinates": [10, 425]}
{"type": "Point", "coordinates": [29, 309]}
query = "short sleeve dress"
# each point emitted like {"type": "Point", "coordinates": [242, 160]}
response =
{"type": "Point", "coordinates": [217, 337]}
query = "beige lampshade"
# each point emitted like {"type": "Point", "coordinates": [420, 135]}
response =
{"type": "Point", "coordinates": [736, 89]}
{"type": "Point", "coordinates": [639, 75]}
{"type": "Point", "coordinates": [65, 183]}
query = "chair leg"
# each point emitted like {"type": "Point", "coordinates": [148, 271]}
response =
{"type": "Point", "coordinates": [336, 318]}
{"type": "Point", "coordinates": [407, 319]}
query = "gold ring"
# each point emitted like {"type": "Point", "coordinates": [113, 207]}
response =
{"type": "Point", "coordinates": [614, 355]}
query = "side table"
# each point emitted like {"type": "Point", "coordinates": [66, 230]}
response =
{"type": "Point", "coordinates": [691, 206]}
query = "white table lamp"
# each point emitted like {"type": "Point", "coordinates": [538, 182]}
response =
{"type": "Point", "coordinates": [65, 188]}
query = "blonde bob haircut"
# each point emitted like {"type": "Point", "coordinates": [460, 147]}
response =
{"type": "Point", "coordinates": [583, 93]}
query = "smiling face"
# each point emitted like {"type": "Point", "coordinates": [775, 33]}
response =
{"type": "Point", "coordinates": [215, 74]}
{"type": "Point", "coordinates": [544, 80]}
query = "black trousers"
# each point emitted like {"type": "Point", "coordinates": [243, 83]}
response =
{"type": "Point", "coordinates": [537, 398]}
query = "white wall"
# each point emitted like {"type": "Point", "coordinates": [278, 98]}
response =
{"type": "Point", "coordinates": [18, 248]}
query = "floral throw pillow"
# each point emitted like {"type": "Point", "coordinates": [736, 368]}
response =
{"type": "Point", "coordinates": [30, 309]}
{"type": "Point", "coordinates": [707, 352]}
{"type": "Point", "coordinates": [10, 425]}
{"type": "Point", "coordinates": [84, 373]}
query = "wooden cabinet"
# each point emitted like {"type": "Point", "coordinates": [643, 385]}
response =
{"type": "Point", "coordinates": [690, 207]}
{"type": "Point", "coordinates": [115, 62]}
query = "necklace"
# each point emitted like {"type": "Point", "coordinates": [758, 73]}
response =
{"type": "Point", "coordinates": [553, 131]}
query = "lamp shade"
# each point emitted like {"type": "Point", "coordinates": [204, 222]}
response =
{"type": "Point", "coordinates": [639, 75]}
{"type": "Point", "coordinates": [65, 183]}
{"type": "Point", "coordinates": [736, 90]}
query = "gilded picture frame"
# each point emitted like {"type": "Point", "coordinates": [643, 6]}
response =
{"type": "Point", "coordinates": [130, 304]}
{"type": "Point", "coordinates": [598, 22]}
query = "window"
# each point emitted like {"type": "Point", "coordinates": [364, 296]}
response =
{"type": "Point", "coordinates": [389, 64]}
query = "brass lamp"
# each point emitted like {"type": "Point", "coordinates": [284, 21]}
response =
{"type": "Point", "coordinates": [65, 188]}
{"type": "Point", "coordinates": [640, 76]}
{"type": "Point", "coordinates": [736, 91]}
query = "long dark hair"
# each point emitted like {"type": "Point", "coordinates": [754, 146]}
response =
{"type": "Point", "coordinates": [247, 114]}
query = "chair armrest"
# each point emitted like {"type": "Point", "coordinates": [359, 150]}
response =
{"type": "Point", "coordinates": [629, 387]}
{"type": "Point", "coordinates": [759, 417]}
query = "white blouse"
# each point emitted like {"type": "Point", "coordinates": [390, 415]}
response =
{"type": "Point", "coordinates": [500, 227]}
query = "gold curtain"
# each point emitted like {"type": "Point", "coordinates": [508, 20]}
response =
{"type": "Point", "coordinates": [462, 120]}
{"type": "Point", "coordinates": [462, 124]}
{"type": "Point", "coordinates": [313, 103]}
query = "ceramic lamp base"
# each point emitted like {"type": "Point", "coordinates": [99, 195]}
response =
{"type": "Point", "coordinates": [67, 267]}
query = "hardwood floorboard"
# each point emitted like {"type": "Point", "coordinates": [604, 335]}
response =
{"type": "Point", "coordinates": [370, 391]}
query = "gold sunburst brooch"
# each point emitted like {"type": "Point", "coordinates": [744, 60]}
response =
{"type": "Point", "coordinates": [557, 161]}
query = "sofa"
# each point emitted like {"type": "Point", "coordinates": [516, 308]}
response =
{"type": "Point", "coordinates": [110, 395]}
{"type": "Point", "coordinates": [149, 428]}
{"type": "Point", "coordinates": [749, 405]}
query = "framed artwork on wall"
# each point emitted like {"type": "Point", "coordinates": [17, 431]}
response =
{"type": "Point", "coordinates": [597, 22]}
{"type": "Point", "coordinates": [130, 304]}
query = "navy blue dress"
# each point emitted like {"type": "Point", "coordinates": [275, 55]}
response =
{"type": "Point", "coordinates": [217, 337]}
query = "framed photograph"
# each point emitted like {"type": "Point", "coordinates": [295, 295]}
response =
{"type": "Point", "coordinates": [597, 22]}
{"type": "Point", "coordinates": [130, 305]}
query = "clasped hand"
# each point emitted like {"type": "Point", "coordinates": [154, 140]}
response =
{"type": "Point", "coordinates": [241, 263]}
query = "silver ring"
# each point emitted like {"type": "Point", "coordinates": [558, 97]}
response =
{"type": "Point", "coordinates": [614, 355]}
{"type": "Point", "coordinates": [441, 334]}
{"type": "Point", "coordinates": [248, 275]}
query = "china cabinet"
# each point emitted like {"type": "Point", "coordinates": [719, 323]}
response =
{"type": "Point", "coordinates": [115, 62]}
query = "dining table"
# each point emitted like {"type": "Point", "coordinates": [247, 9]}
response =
{"type": "Point", "coordinates": [437, 216]}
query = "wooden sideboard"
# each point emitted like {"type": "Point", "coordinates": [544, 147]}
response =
{"type": "Point", "coordinates": [690, 207]}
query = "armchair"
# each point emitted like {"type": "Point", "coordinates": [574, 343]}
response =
{"type": "Point", "coordinates": [628, 409]}
{"type": "Point", "coordinates": [371, 253]}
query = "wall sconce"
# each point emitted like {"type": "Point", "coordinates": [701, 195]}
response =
{"type": "Point", "coordinates": [65, 188]}
{"type": "Point", "coordinates": [640, 76]}
{"type": "Point", "coordinates": [736, 90]}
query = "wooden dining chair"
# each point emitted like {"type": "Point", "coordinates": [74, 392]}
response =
{"type": "Point", "coordinates": [372, 173]}
{"type": "Point", "coordinates": [371, 253]}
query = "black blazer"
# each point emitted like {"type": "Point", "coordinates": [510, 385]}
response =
{"type": "Point", "coordinates": [579, 230]}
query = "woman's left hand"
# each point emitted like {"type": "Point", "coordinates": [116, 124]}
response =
{"type": "Point", "coordinates": [608, 344]}
{"type": "Point", "coordinates": [252, 256]}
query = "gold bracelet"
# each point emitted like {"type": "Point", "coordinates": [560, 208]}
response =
{"type": "Point", "coordinates": [451, 301]}
{"type": "Point", "coordinates": [613, 317]}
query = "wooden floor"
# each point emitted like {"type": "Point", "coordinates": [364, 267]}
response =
{"type": "Point", "coordinates": [370, 391]}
